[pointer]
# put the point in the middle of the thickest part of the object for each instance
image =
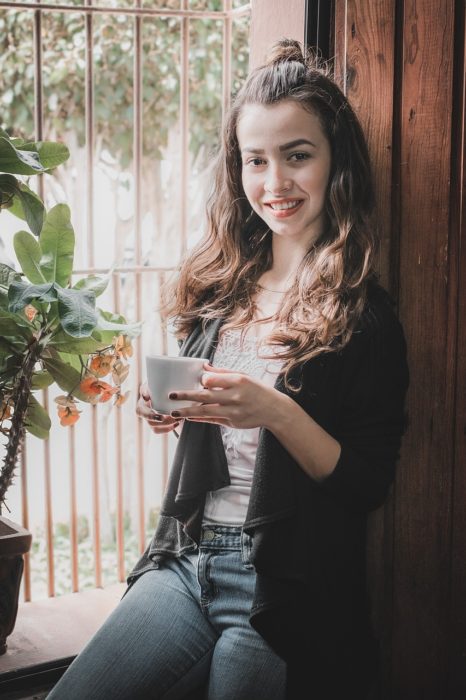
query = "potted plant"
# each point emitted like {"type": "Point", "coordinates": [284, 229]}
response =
{"type": "Point", "coordinates": [52, 332]}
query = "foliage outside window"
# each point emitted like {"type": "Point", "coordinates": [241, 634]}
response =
{"type": "Point", "coordinates": [114, 234]}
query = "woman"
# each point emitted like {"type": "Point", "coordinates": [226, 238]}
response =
{"type": "Point", "coordinates": [253, 586]}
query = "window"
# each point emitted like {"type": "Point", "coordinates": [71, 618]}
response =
{"type": "Point", "coordinates": [136, 90]}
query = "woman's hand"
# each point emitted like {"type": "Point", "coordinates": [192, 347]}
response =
{"type": "Point", "coordinates": [159, 423]}
{"type": "Point", "coordinates": [229, 398]}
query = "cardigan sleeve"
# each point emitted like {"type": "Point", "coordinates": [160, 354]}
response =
{"type": "Point", "coordinates": [372, 421]}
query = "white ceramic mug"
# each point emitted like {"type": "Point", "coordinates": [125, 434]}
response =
{"type": "Point", "coordinates": [166, 374]}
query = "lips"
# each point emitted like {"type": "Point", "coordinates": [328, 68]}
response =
{"type": "Point", "coordinates": [283, 208]}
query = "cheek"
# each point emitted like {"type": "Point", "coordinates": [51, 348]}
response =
{"type": "Point", "coordinates": [317, 182]}
{"type": "Point", "coordinates": [252, 188]}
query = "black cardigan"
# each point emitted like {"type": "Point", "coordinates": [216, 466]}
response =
{"type": "Point", "coordinates": [309, 538]}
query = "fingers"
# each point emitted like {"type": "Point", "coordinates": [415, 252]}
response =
{"type": "Point", "coordinates": [159, 423]}
{"type": "Point", "coordinates": [215, 379]}
{"type": "Point", "coordinates": [144, 391]}
{"type": "Point", "coordinates": [210, 368]}
{"type": "Point", "coordinates": [203, 411]}
{"type": "Point", "coordinates": [163, 429]}
{"type": "Point", "coordinates": [163, 424]}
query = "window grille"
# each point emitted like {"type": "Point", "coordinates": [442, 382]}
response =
{"type": "Point", "coordinates": [137, 90]}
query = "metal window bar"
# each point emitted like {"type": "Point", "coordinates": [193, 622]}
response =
{"type": "Point", "coordinates": [139, 13]}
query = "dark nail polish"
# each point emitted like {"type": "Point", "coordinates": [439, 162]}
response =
{"type": "Point", "coordinates": [172, 395]}
{"type": "Point", "coordinates": [176, 414]}
{"type": "Point", "coordinates": [156, 416]}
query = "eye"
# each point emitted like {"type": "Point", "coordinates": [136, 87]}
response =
{"type": "Point", "coordinates": [299, 156]}
{"type": "Point", "coordinates": [255, 162]}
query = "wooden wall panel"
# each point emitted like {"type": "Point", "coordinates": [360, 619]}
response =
{"type": "Point", "coordinates": [273, 20]}
{"type": "Point", "coordinates": [402, 64]}
{"type": "Point", "coordinates": [424, 484]}
{"type": "Point", "coordinates": [365, 72]}
{"type": "Point", "coordinates": [365, 69]}
{"type": "Point", "coordinates": [457, 646]}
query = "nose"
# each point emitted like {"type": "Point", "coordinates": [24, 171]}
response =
{"type": "Point", "coordinates": [277, 181]}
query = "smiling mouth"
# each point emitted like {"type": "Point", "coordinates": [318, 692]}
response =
{"type": "Point", "coordinates": [279, 206]}
{"type": "Point", "coordinates": [284, 208]}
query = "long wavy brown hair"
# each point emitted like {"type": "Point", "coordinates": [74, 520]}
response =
{"type": "Point", "coordinates": [219, 276]}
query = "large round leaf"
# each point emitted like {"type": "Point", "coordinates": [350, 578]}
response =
{"type": "Point", "coordinates": [20, 294]}
{"type": "Point", "coordinates": [18, 162]}
{"type": "Point", "coordinates": [76, 310]}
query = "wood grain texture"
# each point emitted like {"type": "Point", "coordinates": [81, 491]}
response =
{"type": "Point", "coordinates": [396, 61]}
{"type": "Point", "coordinates": [366, 73]}
{"type": "Point", "coordinates": [272, 20]}
{"type": "Point", "coordinates": [364, 66]}
{"type": "Point", "coordinates": [402, 65]}
{"type": "Point", "coordinates": [424, 483]}
{"type": "Point", "coordinates": [457, 646]}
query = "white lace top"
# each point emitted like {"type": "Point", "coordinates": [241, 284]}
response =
{"type": "Point", "coordinates": [228, 506]}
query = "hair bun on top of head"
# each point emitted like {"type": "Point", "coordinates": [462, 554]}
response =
{"type": "Point", "coordinates": [285, 50]}
{"type": "Point", "coordinates": [290, 50]}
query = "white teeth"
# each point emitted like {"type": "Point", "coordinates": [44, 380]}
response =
{"type": "Point", "coordinates": [284, 205]}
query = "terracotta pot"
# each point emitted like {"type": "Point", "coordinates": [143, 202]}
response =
{"type": "Point", "coordinates": [15, 541]}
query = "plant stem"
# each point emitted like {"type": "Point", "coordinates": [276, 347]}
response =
{"type": "Point", "coordinates": [20, 400]}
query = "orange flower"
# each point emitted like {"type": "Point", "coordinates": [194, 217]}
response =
{"type": "Point", "coordinates": [67, 401]}
{"type": "Point", "coordinates": [121, 398]}
{"type": "Point", "coordinates": [67, 410]}
{"type": "Point", "coordinates": [101, 365]}
{"type": "Point", "coordinates": [122, 346]}
{"type": "Point", "coordinates": [90, 386]}
{"type": "Point", "coordinates": [68, 416]}
{"type": "Point", "coordinates": [30, 312]}
{"type": "Point", "coordinates": [100, 391]}
{"type": "Point", "coordinates": [107, 391]}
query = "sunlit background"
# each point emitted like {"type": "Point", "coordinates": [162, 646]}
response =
{"type": "Point", "coordinates": [121, 221]}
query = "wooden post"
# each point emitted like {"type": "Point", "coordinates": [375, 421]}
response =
{"type": "Point", "coordinates": [272, 20]}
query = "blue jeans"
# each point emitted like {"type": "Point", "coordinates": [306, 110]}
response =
{"type": "Point", "coordinates": [181, 627]}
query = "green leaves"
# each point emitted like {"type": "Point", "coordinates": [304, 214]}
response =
{"type": "Point", "coordinates": [57, 244]}
{"type": "Point", "coordinates": [27, 205]}
{"type": "Point", "coordinates": [51, 258]}
{"type": "Point", "coordinates": [14, 160]}
{"type": "Point", "coordinates": [67, 377]}
{"type": "Point", "coordinates": [96, 284]}
{"type": "Point", "coordinates": [31, 158]}
{"type": "Point", "coordinates": [22, 202]}
{"type": "Point", "coordinates": [7, 275]}
{"type": "Point", "coordinates": [110, 325]}
{"type": "Point", "coordinates": [67, 344]}
{"type": "Point", "coordinates": [76, 310]}
{"type": "Point", "coordinates": [21, 294]}
{"type": "Point", "coordinates": [41, 379]}
{"type": "Point", "coordinates": [13, 326]}
{"type": "Point", "coordinates": [37, 419]}
{"type": "Point", "coordinates": [29, 253]}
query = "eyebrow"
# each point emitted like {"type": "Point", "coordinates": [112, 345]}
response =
{"type": "Point", "coordinates": [285, 147]}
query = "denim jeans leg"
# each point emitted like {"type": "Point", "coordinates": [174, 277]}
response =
{"type": "Point", "coordinates": [243, 666]}
{"type": "Point", "coordinates": [155, 644]}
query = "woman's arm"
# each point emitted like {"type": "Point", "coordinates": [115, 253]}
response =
{"type": "Point", "coordinates": [315, 450]}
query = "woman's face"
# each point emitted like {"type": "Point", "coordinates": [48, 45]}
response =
{"type": "Point", "coordinates": [286, 161]}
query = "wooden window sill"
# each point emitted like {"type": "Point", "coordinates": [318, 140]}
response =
{"type": "Point", "coordinates": [48, 634]}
